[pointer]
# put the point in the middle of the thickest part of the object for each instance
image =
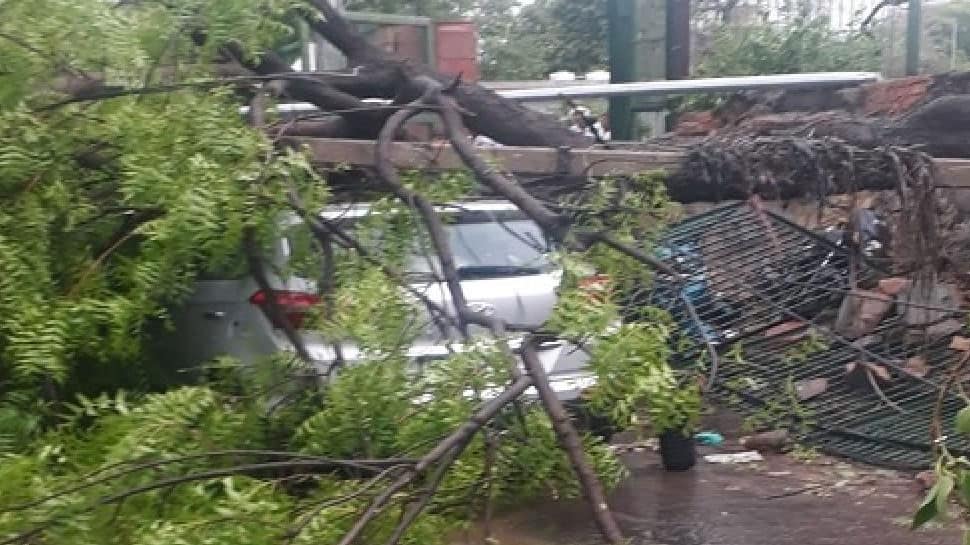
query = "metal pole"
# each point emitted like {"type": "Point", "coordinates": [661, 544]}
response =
{"type": "Point", "coordinates": [304, 31]}
{"type": "Point", "coordinates": [621, 19]}
{"type": "Point", "coordinates": [914, 33]}
{"type": "Point", "coordinates": [678, 39]}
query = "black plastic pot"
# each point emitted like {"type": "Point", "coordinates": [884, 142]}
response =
{"type": "Point", "coordinates": [677, 450]}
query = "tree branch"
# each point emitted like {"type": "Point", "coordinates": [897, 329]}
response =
{"type": "Point", "coordinates": [456, 440]}
{"type": "Point", "coordinates": [436, 229]}
{"type": "Point", "coordinates": [571, 442]}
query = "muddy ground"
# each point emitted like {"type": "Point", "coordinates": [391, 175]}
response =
{"type": "Point", "coordinates": [779, 501]}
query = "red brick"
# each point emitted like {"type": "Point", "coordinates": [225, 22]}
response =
{"type": "Point", "coordinates": [895, 96]}
{"type": "Point", "coordinates": [696, 124]}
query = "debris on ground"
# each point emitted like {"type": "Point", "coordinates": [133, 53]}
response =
{"type": "Point", "coordinates": [926, 480]}
{"type": "Point", "coordinates": [960, 344]}
{"type": "Point", "coordinates": [809, 388]}
{"type": "Point", "coordinates": [769, 441]}
{"type": "Point", "coordinates": [734, 457]}
{"type": "Point", "coordinates": [825, 501]}
{"type": "Point", "coordinates": [917, 366]}
{"type": "Point", "coordinates": [709, 438]}
{"type": "Point", "coordinates": [791, 331]}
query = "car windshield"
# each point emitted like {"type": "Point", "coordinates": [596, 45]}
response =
{"type": "Point", "coordinates": [491, 248]}
{"type": "Point", "coordinates": [486, 244]}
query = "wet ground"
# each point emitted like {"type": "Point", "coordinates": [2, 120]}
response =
{"type": "Point", "coordinates": [779, 501]}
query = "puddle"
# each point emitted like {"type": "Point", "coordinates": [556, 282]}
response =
{"type": "Point", "coordinates": [724, 505]}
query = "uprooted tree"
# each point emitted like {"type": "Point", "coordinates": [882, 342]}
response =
{"type": "Point", "coordinates": [126, 172]}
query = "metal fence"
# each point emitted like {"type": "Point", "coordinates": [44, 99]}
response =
{"type": "Point", "coordinates": [747, 272]}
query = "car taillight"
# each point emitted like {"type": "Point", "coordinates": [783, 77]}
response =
{"type": "Point", "coordinates": [596, 285]}
{"type": "Point", "coordinates": [294, 305]}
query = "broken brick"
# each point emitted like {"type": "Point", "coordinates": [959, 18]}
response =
{"type": "Point", "coordinates": [791, 330]}
{"type": "Point", "coordinates": [895, 96]}
{"type": "Point", "coordinates": [917, 366]}
{"type": "Point", "coordinates": [809, 388]}
{"type": "Point", "coordinates": [769, 441]}
{"type": "Point", "coordinates": [960, 344]}
{"type": "Point", "coordinates": [696, 124]}
{"type": "Point", "coordinates": [894, 286]}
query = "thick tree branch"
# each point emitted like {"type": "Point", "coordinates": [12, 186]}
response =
{"type": "Point", "coordinates": [571, 442]}
{"type": "Point", "coordinates": [338, 32]}
{"type": "Point", "coordinates": [434, 225]}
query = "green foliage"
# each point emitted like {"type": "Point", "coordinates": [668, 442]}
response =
{"type": "Point", "coordinates": [801, 351]}
{"type": "Point", "coordinates": [804, 45]}
{"type": "Point", "coordinates": [633, 375]}
{"type": "Point", "coordinates": [962, 422]}
{"type": "Point", "coordinates": [799, 44]}
{"type": "Point", "coordinates": [362, 413]}
{"type": "Point", "coordinates": [542, 37]}
{"type": "Point", "coordinates": [781, 407]}
{"type": "Point", "coordinates": [168, 436]}
{"type": "Point", "coordinates": [952, 481]}
{"type": "Point", "coordinates": [112, 208]}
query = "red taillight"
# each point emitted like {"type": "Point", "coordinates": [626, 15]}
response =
{"type": "Point", "coordinates": [596, 285]}
{"type": "Point", "coordinates": [294, 305]}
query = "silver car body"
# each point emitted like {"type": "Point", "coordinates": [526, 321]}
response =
{"type": "Point", "coordinates": [219, 318]}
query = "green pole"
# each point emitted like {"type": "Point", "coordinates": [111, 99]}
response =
{"type": "Point", "coordinates": [621, 18]}
{"type": "Point", "coordinates": [914, 25]}
{"type": "Point", "coordinates": [304, 31]}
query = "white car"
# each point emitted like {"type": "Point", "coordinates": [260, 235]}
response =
{"type": "Point", "coordinates": [503, 260]}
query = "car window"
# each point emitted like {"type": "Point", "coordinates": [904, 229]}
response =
{"type": "Point", "coordinates": [485, 244]}
{"type": "Point", "coordinates": [492, 248]}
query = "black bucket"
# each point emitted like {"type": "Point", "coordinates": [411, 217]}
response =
{"type": "Point", "coordinates": [677, 450]}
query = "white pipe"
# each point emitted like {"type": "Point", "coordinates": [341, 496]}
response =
{"type": "Point", "coordinates": [691, 86]}
{"type": "Point", "coordinates": [664, 88]}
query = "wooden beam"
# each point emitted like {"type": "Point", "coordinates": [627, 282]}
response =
{"type": "Point", "coordinates": [520, 160]}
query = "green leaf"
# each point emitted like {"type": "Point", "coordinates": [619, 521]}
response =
{"type": "Point", "coordinates": [965, 486]}
{"type": "Point", "coordinates": [945, 485]}
{"type": "Point", "coordinates": [962, 421]}
{"type": "Point", "coordinates": [927, 510]}
{"type": "Point", "coordinates": [966, 537]}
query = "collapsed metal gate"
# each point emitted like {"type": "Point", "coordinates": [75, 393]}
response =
{"type": "Point", "coordinates": [764, 290]}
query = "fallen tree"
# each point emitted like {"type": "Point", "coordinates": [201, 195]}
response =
{"type": "Point", "coordinates": [150, 198]}
{"type": "Point", "coordinates": [150, 180]}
